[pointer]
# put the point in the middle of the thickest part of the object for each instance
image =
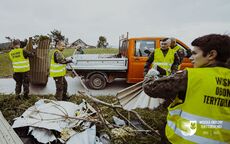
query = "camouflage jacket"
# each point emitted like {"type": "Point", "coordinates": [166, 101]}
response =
{"type": "Point", "coordinates": [58, 58]}
{"type": "Point", "coordinates": [27, 53]}
{"type": "Point", "coordinates": [171, 86]}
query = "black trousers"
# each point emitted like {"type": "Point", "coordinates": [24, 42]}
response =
{"type": "Point", "coordinates": [22, 79]}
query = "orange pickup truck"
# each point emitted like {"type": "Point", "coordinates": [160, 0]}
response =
{"type": "Point", "coordinates": [100, 69]}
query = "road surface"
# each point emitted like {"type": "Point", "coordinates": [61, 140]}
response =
{"type": "Point", "coordinates": [7, 86]}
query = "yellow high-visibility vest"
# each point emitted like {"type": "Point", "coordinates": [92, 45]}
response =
{"type": "Point", "coordinates": [164, 62]}
{"type": "Point", "coordinates": [175, 49]}
{"type": "Point", "coordinates": [56, 69]}
{"type": "Point", "coordinates": [19, 62]}
{"type": "Point", "coordinates": [204, 117]}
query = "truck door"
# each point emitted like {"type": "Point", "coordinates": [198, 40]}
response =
{"type": "Point", "coordinates": [137, 59]}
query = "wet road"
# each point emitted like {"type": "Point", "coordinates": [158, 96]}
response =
{"type": "Point", "coordinates": [7, 86]}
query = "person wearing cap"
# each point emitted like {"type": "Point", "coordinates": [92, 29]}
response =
{"type": "Point", "coordinates": [200, 112]}
{"type": "Point", "coordinates": [164, 58]}
{"type": "Point", "coordinates": [21, 68]}
{"type": "Point", "coordinates": [58, 71]}
{"type": "Point", "coordinates": [181, 52]}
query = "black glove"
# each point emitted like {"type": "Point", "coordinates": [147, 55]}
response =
{"type": "Point", "coordinates": [70, 61]}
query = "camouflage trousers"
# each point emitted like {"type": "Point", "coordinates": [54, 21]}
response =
{"type": "Point", "coordinates": [61, 88]}
{"type": "Point", "coordinates": [22, 79]}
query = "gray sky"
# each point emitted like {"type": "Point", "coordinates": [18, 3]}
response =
{"type": "Point", "coordinates": [89, 19]}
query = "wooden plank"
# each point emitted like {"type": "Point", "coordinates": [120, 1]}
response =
{"type": "Point", "coordinates": [7, 134]}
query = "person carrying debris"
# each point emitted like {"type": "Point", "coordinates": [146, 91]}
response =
{"type": "Point", "coordinates": [58, 71]}
{"type": "Point", "coordinates": [200, 112]}
{"type": "Point", "coordinates": [21, 67]}
{"type": "Point", "coordinates": [165, 58]}
{"type": "Point", "coordinates": [181, 52]}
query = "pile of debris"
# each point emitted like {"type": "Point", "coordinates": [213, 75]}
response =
{"type": "Point", "coordinates": [50, 121]}
{"type": "Point", "coordinates": [113, 120]}
{"type": "Point", "coordinates": [59, 121]}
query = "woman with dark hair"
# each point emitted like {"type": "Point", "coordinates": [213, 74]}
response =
{"type": "Point", "coordinates": [200, 112]}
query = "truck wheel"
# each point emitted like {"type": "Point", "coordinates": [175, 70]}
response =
{"type": "Point", "coordinates": [97, 81]}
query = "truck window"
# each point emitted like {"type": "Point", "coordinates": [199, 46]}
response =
{"type": "Point", "coordinates": [142, 45]}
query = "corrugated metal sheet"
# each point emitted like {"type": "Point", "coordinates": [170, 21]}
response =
{"type": "Point", "coordinates": [134, 97]}
{"type": "Point", "coordinates": [39, 65]}
{"type": "Point", "coordinates": [7, 134]}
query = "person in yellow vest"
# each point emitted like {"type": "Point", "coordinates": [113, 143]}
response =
{"type": "Point", "coordinates": [200, 112]}
{"type": "Point", "coordinates": [21, 67]}
{"type": "Point", "coordinates": [164, 58]}
{"type": "Point", "coordinates": [181, 52]}
{"type": "Point", "coordinates": [58, 71]}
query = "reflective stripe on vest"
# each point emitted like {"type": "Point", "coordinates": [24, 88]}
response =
{"type": "Point", "coordinates": [192, 138]}
{"type": "Point", "coordinates": [19, 62]}
{"type": "Point", "coordinates": [191, 117]}
{"type": "Point", "coordinates": [56, 69]}
{"type": "Point", "coordinates": [164, 62]}
{"type": "Point", "coordinates": [204, 117]}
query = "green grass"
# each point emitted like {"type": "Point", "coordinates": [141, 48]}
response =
{"type": "Point", "coordinates": [6, 66]}
{"type": "Point", "coordinates": [12, 108]}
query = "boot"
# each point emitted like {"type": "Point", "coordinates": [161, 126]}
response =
{"type": "Point", "coordinates": [65, 98]}
{"type": "Point", "coordinates": [25, 96]}
{"type": "Point", "coordinates": [18, 97]}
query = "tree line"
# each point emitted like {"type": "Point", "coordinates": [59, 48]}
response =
{"type": "Point", "coordinates": [55, 36]}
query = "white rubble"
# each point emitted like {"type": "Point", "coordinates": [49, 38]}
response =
{"type": "Point", "coordinates": [61, 116]}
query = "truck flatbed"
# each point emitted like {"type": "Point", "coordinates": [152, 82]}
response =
{"type": "Point", "coordinates": [99, 62]}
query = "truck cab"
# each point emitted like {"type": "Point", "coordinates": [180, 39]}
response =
{"type": "Point", "coordinates": [136, 50]}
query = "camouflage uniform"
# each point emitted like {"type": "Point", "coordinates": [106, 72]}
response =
{"type": "Point", "coordinates": [167, 87]}
{"type": "Point", "coordinates": [22, 78]}
{"type": "Point", "coordinates": [182, 53]}
{"type": "Point", "coordinates": [60, 82]}
{"type": "Point", "coordinates": [162, 72]}
{"type": "Point", "coordinates": [61, 88]}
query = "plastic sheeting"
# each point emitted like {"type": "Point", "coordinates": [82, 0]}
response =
{"type": "Point", "coordinates": [47, 116]}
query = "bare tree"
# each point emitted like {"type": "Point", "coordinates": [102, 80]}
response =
{"type": "Point", "coordinates": [56, 36]}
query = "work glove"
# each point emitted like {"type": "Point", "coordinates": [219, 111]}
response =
{"type": "Point", "coordinates": [152, 74]}
{"type": "Point", "coordinates": [69, 60]}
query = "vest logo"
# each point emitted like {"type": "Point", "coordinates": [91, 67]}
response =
{"type": "Point", "coordinates": [189, 128]}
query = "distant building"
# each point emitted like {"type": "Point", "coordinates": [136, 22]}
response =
{"type": "Point", "coordinates": [81, 43]}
